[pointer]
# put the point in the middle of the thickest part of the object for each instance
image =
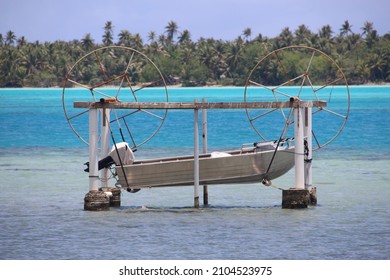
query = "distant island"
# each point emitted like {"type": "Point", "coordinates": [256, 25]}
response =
{"type": "Point", "coordinates": [364, 57]}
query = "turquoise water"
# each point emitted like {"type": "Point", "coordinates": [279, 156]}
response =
{"type": "Point", "coordinates": [43, 186]}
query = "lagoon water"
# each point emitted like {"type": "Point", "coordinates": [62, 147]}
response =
{"type": "Point", "coordinates": [42, 187]}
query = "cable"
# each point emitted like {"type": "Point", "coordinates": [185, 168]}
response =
{"type": "Point", "coordinates": [117, 153]}
{"type": "Point", "coordinates": [284, 132]}
{"type": "Point", "coordinates": [119, 126]}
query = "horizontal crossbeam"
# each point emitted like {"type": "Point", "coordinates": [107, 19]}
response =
{"type": "Point", "coordinates": [198, 105]}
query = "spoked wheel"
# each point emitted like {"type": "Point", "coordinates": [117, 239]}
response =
{"type": "Point", "coordinates": [302, 73]}
{"type": "Point", "coordinates": [122, 74]}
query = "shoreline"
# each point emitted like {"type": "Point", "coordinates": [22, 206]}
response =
{"type": "Point", "coordinates": [179, 86]}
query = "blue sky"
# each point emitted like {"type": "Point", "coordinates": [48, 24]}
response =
{"type": "Point", "coordinates": [50, 20]}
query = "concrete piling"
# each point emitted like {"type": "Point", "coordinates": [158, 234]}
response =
{"type": "Point", "coordinates": [115, 198]}
{"type": "Point", "coordinates": [297, 198]}
{"type": "Point", "coordinates": [313, 196]}
{"type": "Point", "coordinates": [96, 201]}
{"type": "Point", "coordinates": [114, 195]}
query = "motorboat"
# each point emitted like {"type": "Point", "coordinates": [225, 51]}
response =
{"type": "Point", "coordinates": [257, 163]}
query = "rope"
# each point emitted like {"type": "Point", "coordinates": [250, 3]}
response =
{"type": "Point", "coordinates": [276, 187]}
{"type": "Point", "coordinates": [282, 135]}
{"type": "Point", "coordinates": [268, 183]}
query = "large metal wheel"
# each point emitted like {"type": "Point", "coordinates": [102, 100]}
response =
{"type": "Point", "coordinates": [302, 73]}
{"type": "Point", "coordinates": [119, 73]}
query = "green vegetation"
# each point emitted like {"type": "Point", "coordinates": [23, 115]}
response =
{"type": "Point", "coordinates": [364, 58]}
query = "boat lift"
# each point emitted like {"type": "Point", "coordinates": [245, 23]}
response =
{"type": "Point", "coordinates": [302, 130]}
{"type": "Point", "coordinates": [299, 105]}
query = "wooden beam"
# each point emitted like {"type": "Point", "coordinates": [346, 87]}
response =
{"type": "Point", "coordinates": [198, 105]}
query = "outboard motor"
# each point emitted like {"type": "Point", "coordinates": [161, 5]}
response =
{"type": "Point", "coordinates": [121, 153]}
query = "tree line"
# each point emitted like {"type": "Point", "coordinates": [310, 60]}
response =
{"type": "Point", "coordinates": [364, 57]}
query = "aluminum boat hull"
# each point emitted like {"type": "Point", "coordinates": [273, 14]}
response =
{"type": "Point", "coordinates": [235, 167]}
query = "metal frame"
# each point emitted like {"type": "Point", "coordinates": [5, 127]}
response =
{"type": "Point", "coordinates": [302, 130]}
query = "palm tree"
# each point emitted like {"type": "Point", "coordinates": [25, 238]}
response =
{"type": "Point", "coordinates": [162, 40]}
{"type": "Point", "coordinates": [185, 36]}
{"type": "Point", "coordinates": [363, 72]}
{"type": "Point", "coordinates": [10, 38]}
{"type": "Point", "coordinates": [137, 42]}
{"type": "Point", "coordinates": [171, 30]}
{"type": "Point", "coordinates": [108, 34]}
{"type": "Point", "coordinates": [284, 39]}
{"type": "Point", "coordinates": [325, 32]}
{"type": "Point", "coordinates": [124, 38]}
{"type": "Point", "coordinates": [364, 55]}
{"type": "Point", "coordinates": [345, 29]}
{"type": "Point", "coordinates": [212, 56]}
{"type": "Point", "coordinates": [234, 56]}
{"type": "Point", "coordinates": [324, 39]}
{"type": "Point", "coordinates": [87, 42]}
{"type": "Point", "coordinates": [378, 63]}
{"type": "Point", "coordinates": [371, 38]}
{"type": "Point", "coordinates": [152, 36]}
{"type": "Point", "coordinates": [367, 28]}
{"type": "Point", "coordinates": [32, 58]}
{"type": "Point", "coordinates": [186, 54]}
{"type": "Point", "coordinates": [11, 72]}
{"type": "Point", "coordinates": [302, 34]}
{"type": "Point", "coordinates": [247, 33]}
{"type": "Point", "coordinates": [21, 41]}
{"type": "Point", "coordinates": [154, 49]}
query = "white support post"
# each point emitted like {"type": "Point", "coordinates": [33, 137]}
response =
{"type": "Point", "coordinates": [93, 150]}
{"type": "Point", "coordinates": [196, 157]}
{"type": "Point", "coordinates": [204, 146]}
{"type": "Point", "coordinates": [105, 131]}
{"type": "Point", "coordinates": [308, 157]}
{"type": "Point", "coordinates": [299, 149]}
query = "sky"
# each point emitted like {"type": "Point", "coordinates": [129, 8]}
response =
{"type": "Point", "coordinates": [51, 20]}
